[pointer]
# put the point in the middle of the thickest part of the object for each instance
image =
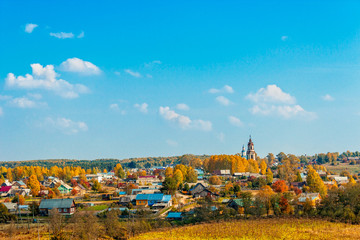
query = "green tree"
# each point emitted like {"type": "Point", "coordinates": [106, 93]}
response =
{"type": "Point", "coordinates": [269, 176]}
{"type": "Point", "coordinates": [96, 186]}
{"type": "Point", "coordinates": [191, 176]}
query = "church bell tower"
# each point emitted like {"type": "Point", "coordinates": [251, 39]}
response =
{"type": "Point", "coordinates": [250, 154]}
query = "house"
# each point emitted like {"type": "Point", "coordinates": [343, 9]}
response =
{"type": "Point", "coordinates": [64, 188]}
{"type": "Point", "coordinates": [205, 193]}
{"type": "Point", "coordinates": [65, 206]}
{"type": "Point", "coordinates": [5, 191]}
{"type": "Point", "coordinates": [246, 174]}
{"type": "Point", "coordinates": [313, 197]}
{"type": "Point", "coordinates": [223, 172]}
{"type": "Point", "coordinates": [174, 216]}
{"type": "Point", "coordinates": [341, 180]}
{"type": "Point", "coordinates": [147, 179]}
{"type": "Point", "coordinates": [299, 185]}
{"type": "Point", "coordinates": [199, 187]}
{"type": "Point", "coordinates": [124, 201]}
{"type": "Point", "coordinates": [11, 207]}
{"type": "Point", "coordinates": [80, 189]}
{"type": "Point", "coordinates": [19, 184]}
{"type": "Point", "coordinates": [236, 204]}
{"type": "Point", "coordinates": [151, 199]}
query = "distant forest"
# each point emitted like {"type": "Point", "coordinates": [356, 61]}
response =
{"type": "Point", "coordinates": [107, 164]}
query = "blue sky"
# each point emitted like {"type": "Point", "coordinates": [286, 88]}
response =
{"type": "Point", "coordinates": [119, 79]}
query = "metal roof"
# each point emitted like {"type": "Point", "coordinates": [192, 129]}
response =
{"type": "Point", "coordinates": [56, 203]}
{"type": "Point", "coordinates": [174, 215]}
{"type": "Point", "coordinates": [150, 197]}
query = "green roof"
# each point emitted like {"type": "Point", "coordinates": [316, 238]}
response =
{"type": "Point", "coordinates": [56, 203]}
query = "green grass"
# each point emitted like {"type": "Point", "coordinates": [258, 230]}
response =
{"type": "Point", "coordinates": [96, 208]}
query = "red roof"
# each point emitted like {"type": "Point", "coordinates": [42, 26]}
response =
{"type": "Point", "coordinates": [5, 189]}
{"type": "Point", "coordinates": [146, 176]}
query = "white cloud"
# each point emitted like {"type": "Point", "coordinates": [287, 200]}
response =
{"type": "Point", "coordinates": [80, 66]}
{"type": "Point", "coordinates": [235, 121]}
{"type": "Point", "coordinates": [142, 107]}
{"type": "Point", "coordinates": [66, 126]}
{"type": "Point", "coordinates": [132, 73]}
{"type": "Point", "coordinates": [5, 97]}
{"type": "Point", "coordinates": [24, 102]}
{"type": "Point", "coordinates": [62, 35]}
{"type": "Point", "coordinates": [36, 96]}
{"type": "Point", "coordinates": [115, 107]}
{"type": "Point", "coordinates": [45, 78]}
{"type": "Point", "coordinates": [284, 38]}
{"type": "Point", "coordinates": [29, 28]}
{"type": "Point", "coordinates": [273, 101]}
{"type": "Point", "coordinates": [271, 94]}
{"type": "Point", "coordinates": [172, 143]}
{"type": "Point", "coordinates": [225, 89]}
{"type": "Point", "coordinates": [184, 121]}
{"type": "Point", "coordinates": [327, 97]}
{"type": "Point", "coordinates": [182, 106]}
{"type": "Point", "coordinates": [153, 63]}
{"type": "Point", "coordinates": [223, 100]}
{"type": "Point", "coordinates": [81, 35]}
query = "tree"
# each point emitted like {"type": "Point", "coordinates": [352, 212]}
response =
{"type": "Point", "coordinates": [119, 171]}
{"type": "Point", "coordinates": [263, 167]}
{"type": "Point", "coordinates": [191, 176]}
{"type": "Point", "coordinates": [85, 226]}
{"type": "Point", "coordinates": [270, 158]}
{"type": "Point", "coordinates": [96, 186]}
{"type": "Point", "coordinates": [74, 192]}
{"type": "Point", "coordinates": [18, 199]}
{"type": "Point", "coordinates": [265, 195]}
{"type": "Point", "coordinates": [34, 185]}
{"type": "Point", "coordinates": [113, 227]}
{"type": "Point", "coordinates": [280, 186]}
{"type": "Point", "coordinates": [284, 205]}
{"type": "Point", "coordinates": [269, 176]}
{"type": "Point", "coordinates": [169, 185]}
{"type": "Point", "coordinates": [169, 172]}
{"type": "Point", "coordinates": [315, 183]}
{"type": "Point", "coordinates": [298, 177]}
{"type": "Point", "coordinates": [56, 223]}
{"type": "Point", "coordinates": [178, 176]}
{"type": "Point", "coordinates": [214, 180]}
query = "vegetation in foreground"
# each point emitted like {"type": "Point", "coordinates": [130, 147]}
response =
{"type": "Point", "coordinates": [295, 229]}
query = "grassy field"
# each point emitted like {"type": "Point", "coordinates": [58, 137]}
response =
{"type": "Point", "coordinates": [265, 229]}
{"type": "Point", "coordinates": [353, 169]}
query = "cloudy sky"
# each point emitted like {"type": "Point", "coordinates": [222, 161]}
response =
{"type": "Point", "coordinates": [85, 80]}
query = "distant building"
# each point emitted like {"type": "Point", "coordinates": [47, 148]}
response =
{"type": "Point", "coordinates": [250, 154]}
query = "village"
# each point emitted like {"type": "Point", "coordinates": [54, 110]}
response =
{"type": "Point", "coordinates": [175, 192]}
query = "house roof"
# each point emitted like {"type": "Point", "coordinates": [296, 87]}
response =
{"type": "Point", "coordinates": [21, 183]}
{"type": "Point", "coordinates": [56, 203]}
{"type": "Point", "coordinates": [166, 198]}
{"type": "Point", "coordinates": [150, 197]}
{"type": "Point", "coordinates": [174, 215]}
{"type": "Point", "coordinates": [10, 206]}
{"type": "Point", "coordinates": [5, 189]}
{"type": "Point", "coordinates": [122, 193]}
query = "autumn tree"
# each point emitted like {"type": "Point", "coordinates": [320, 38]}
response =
{"type": "Point", "coordinates": [314, 182]}
{"type": "Point", "coordinates": [119, 171]}
{"type": "Point", "coordinates": [85, 226]}
{"type": "Point", "coordinates": [169, 172]}
{"type": "Point", "coordinates": [191, 175]}
{"type": "Point", "coordinates": [214, 180]}
{"type": "Point", "coordinates": [280, 186]}
{"type": "Point", "coordinates": [113, 227]}
{"type": "Point", "coordinates": [269, 176]}
{"type": "Point", "coordinates": [34, 185]}
{"type": "Point", "coordinates": [96, 186]}
{"type": "Point", "coordinates": [178, 176]}
{"type": "Point", "coordinates": [56, 223]}
{"type": "Point", "coordinates": [265, 194]}
{"type": "Point", "coordinates": [263, 167]}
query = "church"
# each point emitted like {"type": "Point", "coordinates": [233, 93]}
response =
{"type": "Point", "coordinates": [250, 153]}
